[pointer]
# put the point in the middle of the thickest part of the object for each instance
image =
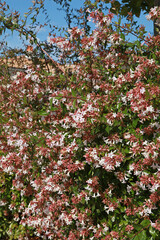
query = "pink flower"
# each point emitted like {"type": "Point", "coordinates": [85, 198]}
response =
{"type": "Point", "coordinates": [129, 228]}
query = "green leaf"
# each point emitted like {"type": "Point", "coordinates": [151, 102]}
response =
{"type": "Point", "coordinates": [43, 113]}
{"type": "Point", "coordinates": [25, 100]}
{"type": "Point", "coordinates": [147, 94]}
{"type": "Point", "coordinates": [137, 227]}
{"type": "Point", "coordinates": [93, 208]}
{"type": "Point", "coordinates": [134, 123]}
{"type": "Point", "coordinates": [145, 223]}
{"type": "Point", "coordinates": [98, 211]}
{"type": "Point", "coordinates": [73, 93]}
{"type": "Point", "coordinates": [51, 102]}
{"type": "Point", "coordinates": [74, 104]}
{"type": "Point", "coordinates": [83, 200]}
{"type": "Point", "coordinates": [84, 98]}
{"type": "Point", "coordinates": [122, 36]}
{"type": "Point", "coordinates": [126, 150]}
{"type": "Point", "coordinates": [64, 108]}
{"type": "Point", "coordinates": [152, 231]}
{"type": "Point", "coordinates": [141, 236]}
{"type": "Point", "coordinates": [116, 123]}
{"type": "Point", "coordinates": [62, 77]}
{"type": "Point", "coordinates": [58, 98]}
{"type": "Point", "coordinates": [54, 108]}
{"type": "Point", "coordinates": [107, 129]}
{"type": "Point", "coordinates": [73, 78]}
{"type": "Point", "coordinates": [125, 110]}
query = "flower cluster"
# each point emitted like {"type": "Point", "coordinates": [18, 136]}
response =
{"type": "Point", "coordinates": [80, 159]}
{"type": "Point", "coordinates": [153, 14]}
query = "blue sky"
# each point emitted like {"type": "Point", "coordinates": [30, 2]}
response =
{"type": "Point", "coordinates": [56, 17]}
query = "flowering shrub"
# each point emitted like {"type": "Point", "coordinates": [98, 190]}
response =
{"type": "Point", "coordinates": [80, 153]}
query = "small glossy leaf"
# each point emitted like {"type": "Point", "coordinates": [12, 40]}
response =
{"type": "Point", "coordinates": [73, 93]}
{"type": "Point", "coordinates": [141, 236]}
{"type": "Point", "coordinates": [145, 223]}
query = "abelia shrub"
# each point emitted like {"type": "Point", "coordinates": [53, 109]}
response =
{"type": "Point", "coordinates": [79, 154]}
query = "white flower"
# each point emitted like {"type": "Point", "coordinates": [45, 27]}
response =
{"type": "Point", "coordinates": [142, 90]}
{"type": "Point", "coordinates": [92, 238]}
{"type": "Point", "coordinates": [127, 136]}
{"type": "Point", "coordinates": [2, 203]}
{"type": "Point", "coordinates": [152, 224]}
{"type": "Point", "coordinates": [94, 195]}
{"type": "Point", "coordinates": [88, 10]}
{"type": "Point", "coordinates": [151, 61]}
{"type": "Point", "coordinates": [145, 154]}
{"type": "Point", "coordinates": [109, 122]}
{"type": "Point", "coordinates": [111, 154]}
{"type": "Point", "coordinates": [117, 164]}
{"type": "Point", "coordinates": [147, 211]}
{"type": "Point", "coordinates": [114, 115]}
{"type": "Point", "coordinates": [155, 166]}
{"type": "Point", "coordinates": [87, 199]}
{"type": "Point", "coordinates": [108, 209]}
{"type": "Point", "coordinates": [107, 20]}
{"type": "Point", "coordinates": [154, 10]}
{"type": "Point", "coordinates": [68, 222]}
{"type": "Point", "coordinates": [131, 73]}
{"type": "Point", "coordinates": [96, 87]}
{"type": "Point", "coordinates": [130, 96]}
{"type": "Point", "coordinates": [131, 168]}
{"type": "Point", "coordinates": [150, 109]}
{"type": "Point", "coordinates": [88, 96]}
{"type": "Point", "coordinates": [148, 17]}
{"type": "Point", "coordinates": [154, 187]}
{"type": "Point", "coordinates": [137, 173]}
{"type": "Point", "coordinates": [89, 181]}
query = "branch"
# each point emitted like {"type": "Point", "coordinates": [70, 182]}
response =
{"type": "Point", "coordinates": [33, 38]}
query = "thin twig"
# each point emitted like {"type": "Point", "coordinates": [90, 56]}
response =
{"type": "Point", "coordinates": [31, 38]}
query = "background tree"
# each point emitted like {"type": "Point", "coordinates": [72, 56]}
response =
{"type": "Point", "coordinates": [123, 7]}
{"type": "Point", "coordinates": [13, 21]}
{"type": "Point", "coordinates": [157, 22]}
